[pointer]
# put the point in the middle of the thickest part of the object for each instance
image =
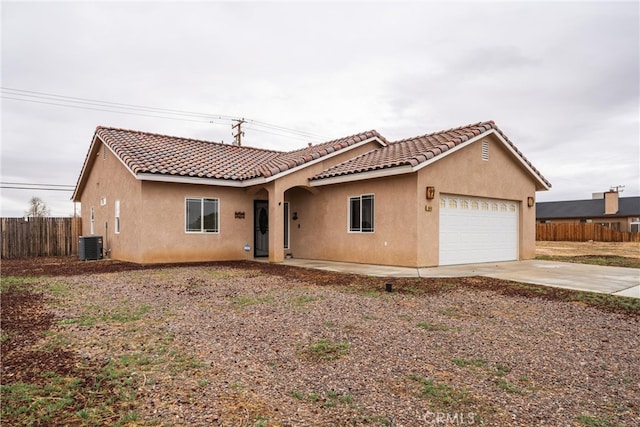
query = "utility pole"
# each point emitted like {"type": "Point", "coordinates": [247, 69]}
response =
{"type": "Point", "coordinates": [238, 136]}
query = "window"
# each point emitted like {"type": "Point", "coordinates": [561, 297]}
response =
{"type": "Point", "coordinates": [286, 225]}
{"type": "Point", "coordinates": [202, 215]}
{"type": "Point", "coordinates": [117, 215]}
{"type": "Point", "coordinates": [93, 221]}
{"type": "Point", "coordinates": [361, 214]}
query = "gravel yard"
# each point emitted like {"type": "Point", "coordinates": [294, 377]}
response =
{"type": "Point", "coordinates": [261, 345]}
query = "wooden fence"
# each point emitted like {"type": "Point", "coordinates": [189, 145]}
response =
{"type": "Point", "coordinates": [35, 237]}
{"type": "Point", "coordinates": [582, 232]}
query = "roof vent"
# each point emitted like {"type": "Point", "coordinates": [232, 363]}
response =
{"type": "Point", "coordinates": [485, 150]}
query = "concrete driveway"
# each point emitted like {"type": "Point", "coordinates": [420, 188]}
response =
{"type": "Point", "coordinates": [583, 277]}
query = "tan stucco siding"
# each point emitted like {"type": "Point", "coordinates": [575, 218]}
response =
{"type": "Point", "coordinates": [406, 223]}
{"type": "Point", "coordinates": [164, 227]}
{"type": "Point", "coordinates": [322, 230]}
{"type": "Point", "coordinates": [110, 181]}
{"type": "Point", "coordinates": [464, 172]}
{"type": "Point", "coordinates": [277, 189]}
{"type": "Point", "coordinates": [152, 214]}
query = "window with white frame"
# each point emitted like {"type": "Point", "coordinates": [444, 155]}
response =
{"type": "Point", "coordinates": [202, 215]}
{"type": "Point", "coordinates": [93, 221]}
{"type": "Point", "coordinates": [117, 217]}
{"type": "Point", "coordinates": [361, 216]}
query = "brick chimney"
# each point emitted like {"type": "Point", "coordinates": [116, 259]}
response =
{"type": "Point", "coordinates": [610, 202]}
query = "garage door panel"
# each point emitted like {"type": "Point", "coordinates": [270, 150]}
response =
{"type": "Point", "coordinates": [475, 230]}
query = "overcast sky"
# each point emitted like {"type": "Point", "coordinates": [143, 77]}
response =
{"type": "Point", "coordinates": [560, 79]}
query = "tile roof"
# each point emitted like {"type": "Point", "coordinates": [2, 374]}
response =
{"type": "Point", "coordinates": [144, 152]}
{"type": "Point", "coordinates": [417, 150]}
{"type": "Point", "coordinates": [292, 159]}
{"type": "Point", "coordinates": [170, 156]}
{"type": "Point", "coordinates": [591, 208]}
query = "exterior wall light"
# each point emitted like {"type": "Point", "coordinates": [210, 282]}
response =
{"type": "Point", "coordinates": [295, 216]}
{"type": "Point", "coordinates": [530, 201]}
{"type": "Point", "coordinates": [431, 193]}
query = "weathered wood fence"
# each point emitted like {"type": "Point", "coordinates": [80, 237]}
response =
{"type": "Point", "coordinates": [582, 232]}
{"type": "Point", "coordinates": [35, 237]}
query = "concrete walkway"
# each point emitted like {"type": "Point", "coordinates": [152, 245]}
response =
{"type": "Point", "coordinates": [584, 277]}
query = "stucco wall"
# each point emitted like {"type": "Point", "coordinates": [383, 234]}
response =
{"type": "Point", "coordinates": [110, 180]}
{"type": "Point", "coordinates": [406, 223]}
{"type": "Point", "coordinates": [152, 214]}
{"type": "Point", "coordinates": [321, 231]}
{"type": "Point", "coordinates": [464, 172]}
{"type": "Point", "coordinates": [163, 233]}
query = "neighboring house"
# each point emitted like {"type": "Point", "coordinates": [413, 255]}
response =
{"type": "Point", "coordinates": [458, 196]}
{"type": "Point", "coordinates": [607, 209]}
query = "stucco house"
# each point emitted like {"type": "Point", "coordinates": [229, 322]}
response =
{"type": "Point", "coordinates": [457, 196]}
{"type": "Point", "coordinates": [607, 209]}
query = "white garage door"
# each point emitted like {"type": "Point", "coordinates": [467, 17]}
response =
{"type": "Point", "coordinates": [474, 230]}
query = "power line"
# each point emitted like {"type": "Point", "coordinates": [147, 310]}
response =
{"type": "Point", "coordinates": [277, 134]}
{"type": "Point", "coordinates": [28, 183]}
{"type": "Point", "coordinates": [100, 109]}
{"type": "Point", "coordinates": [114, 107]}
{"type": "Point", "coordinates": [36, 188]}
{"type": "Point", "coordinates": [276, 127]}
{"type": "Point", "coordinates": [43, 95]}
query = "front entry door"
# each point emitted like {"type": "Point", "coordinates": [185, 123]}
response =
{"type": "Point", "coordinates": [261, 228]}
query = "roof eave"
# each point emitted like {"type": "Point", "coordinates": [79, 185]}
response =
{"type": "Point", "coordinates": [179, 179]}
{"type": "Point", "coordinates": [326, 157]}
{"type": "Point", "coordinates": [361, 176]}
{"type": "Point", "coordinates": [81, 178]}
{"type": "Point", "coordinates": [542, 185]}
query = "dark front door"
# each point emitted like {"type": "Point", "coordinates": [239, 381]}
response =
{"type": "Point", "coordinates": [261, 228]}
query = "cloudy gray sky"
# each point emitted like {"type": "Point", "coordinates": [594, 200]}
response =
{"type": "Point", "coordinates": [560, 79]}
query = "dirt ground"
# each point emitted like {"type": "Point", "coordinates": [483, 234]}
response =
{"type": "Point", "coordinates": [69, 266]}
{"type": "Point", "coordinates": [623, 249]}
{"type": "Point", "coordinates": [27, 318]}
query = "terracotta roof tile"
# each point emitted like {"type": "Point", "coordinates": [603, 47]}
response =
{"type": "Point", "coordinates": [414, 151]}
{"type": "Point", "coordinates": [145, 152]}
